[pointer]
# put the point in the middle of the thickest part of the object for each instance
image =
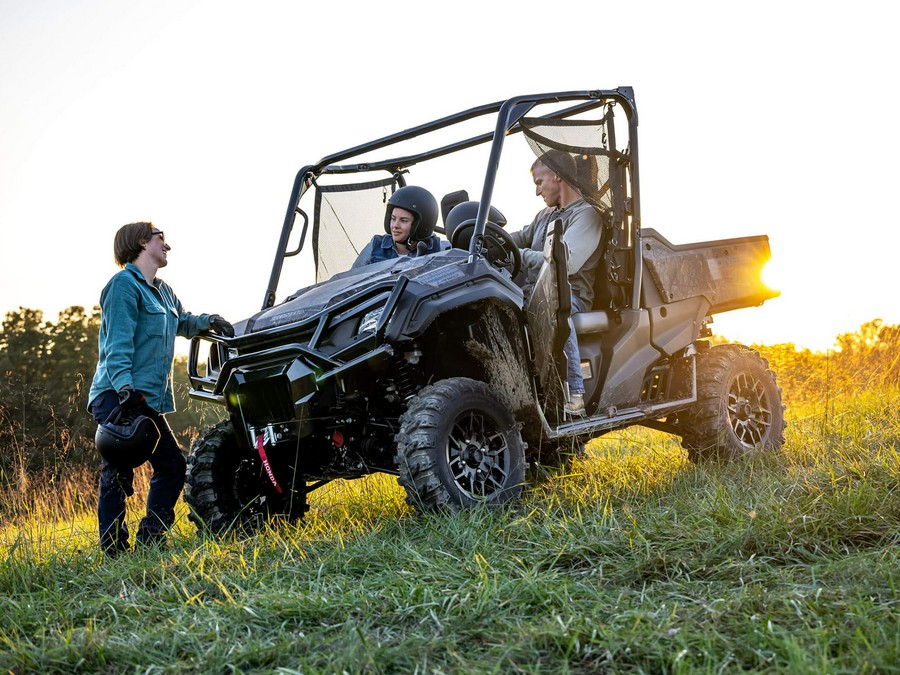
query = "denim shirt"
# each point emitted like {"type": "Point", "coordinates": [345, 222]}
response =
{"type": "Point", "coordinates": [138, 325]}
{"type": "Point", "coordinates": [382, 248]}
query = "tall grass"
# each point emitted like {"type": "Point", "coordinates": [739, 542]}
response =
{"type": "Point", "coordinates": [635, 560]}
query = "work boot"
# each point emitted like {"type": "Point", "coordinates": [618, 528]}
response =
{"type": "Point", "coordinates": [150, 540]}
{"type": "Point", "coordinates": [113, 552]}
{"type": "Point", "coordinates": [150, 535]}
{"type": "Point", "coordinates": [575, 405]}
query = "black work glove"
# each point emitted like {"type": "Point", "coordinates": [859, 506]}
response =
{"type": "Point", "coordinates": [219, 325]}
{"type": "Point", "coordinates": [125, 479]}
{"type": "Point", "coordinates": [130, 399]}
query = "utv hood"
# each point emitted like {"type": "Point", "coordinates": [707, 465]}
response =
{"type": "Point", "coordinates": [438, 270]}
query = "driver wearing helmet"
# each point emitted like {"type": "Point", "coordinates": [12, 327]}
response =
{"type": "Point", "coordinates": [409, 222]}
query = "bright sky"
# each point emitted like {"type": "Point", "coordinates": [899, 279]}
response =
{"type": "Point", "coordinates": [765, 117]}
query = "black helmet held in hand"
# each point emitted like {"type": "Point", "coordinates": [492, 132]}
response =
{"type": "Point", "coordinates": [124, 441]}
{"type": "Point", "coordinates": [421, 203]}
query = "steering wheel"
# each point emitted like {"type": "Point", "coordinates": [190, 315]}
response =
{"type": "Point", "coordinates": [499, 248]}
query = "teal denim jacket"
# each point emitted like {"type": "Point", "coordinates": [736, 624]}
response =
{"type": "Point", "coordinates": [138, 325]}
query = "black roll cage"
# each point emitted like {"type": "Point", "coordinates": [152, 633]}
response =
{"type": "Point", "coordinates": [509, 112]}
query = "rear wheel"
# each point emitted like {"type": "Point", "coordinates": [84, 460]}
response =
{"type": "Point", "coordinates": [225, 489]}
{"type": "Point", "coordinates": [459, 446]}
{"type": "Point", "coordinates": [739, 410]}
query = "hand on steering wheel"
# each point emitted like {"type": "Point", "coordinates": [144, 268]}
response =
{"type": "Point", "coordinates": [497, 246]}
{"type": "Point", "coordinates": [500, 250]}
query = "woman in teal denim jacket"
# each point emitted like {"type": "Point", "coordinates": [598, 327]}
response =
{"type": "Point", "coordinates": [140, 317]}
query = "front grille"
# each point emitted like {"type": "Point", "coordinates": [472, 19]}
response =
{"type": "Point", "coordinates": [264, 401]}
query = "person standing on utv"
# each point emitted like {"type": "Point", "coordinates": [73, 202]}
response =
{"type": "Point", "coordinates": [582, 230]}
{"type": "Point", "coordinates": [409, 221]}
{"type": "Point", "coordinates": [140, 317]}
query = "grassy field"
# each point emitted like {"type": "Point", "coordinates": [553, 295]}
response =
{"type": "Point", "coordinates": [635, 561]}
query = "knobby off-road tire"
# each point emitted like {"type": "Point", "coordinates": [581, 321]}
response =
{"type": "Point", "coordinates": [459, 446]}
{"type": "Point", "coordinates": [209, 483]}
{"type": "Point", "coordinates": [223, 493]}
{"type": "Point", "coordinates": [739, 410]}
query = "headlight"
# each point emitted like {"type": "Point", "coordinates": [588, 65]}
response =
{"type": "Point", "coordinates": [369, 321]}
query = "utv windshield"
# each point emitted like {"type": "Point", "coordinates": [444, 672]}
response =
{"type": "Point", "coordinates": [346, 219]}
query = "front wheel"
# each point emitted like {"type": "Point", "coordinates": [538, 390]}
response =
{"type": "Point", "coordinates": [459, 446]}
{"type": "Point", "coordinates": [225, 489]}
{"type": "Point", "coordinates": [739, 409]}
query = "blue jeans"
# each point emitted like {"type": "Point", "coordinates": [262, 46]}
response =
{"type": "Point", "coordinates": [573, 355]}
{"type": "Point", "coordinates": [116, 484]}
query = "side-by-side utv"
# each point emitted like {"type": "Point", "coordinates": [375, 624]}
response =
{"type": "Point", "coordinates": [440, 369]}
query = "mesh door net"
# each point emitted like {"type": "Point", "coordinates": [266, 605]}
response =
{"type": "Point", "coordinates": [584, 154]}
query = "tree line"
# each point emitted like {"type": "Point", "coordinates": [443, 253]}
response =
{"type": "Point", "coordinates": [46, 369]}
{"type": "Point", "coordinates": [45, 376]}
{"type": "Point", "coordinates": [864, 360]}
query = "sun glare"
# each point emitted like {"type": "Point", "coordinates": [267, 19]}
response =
{"type": "Point", "coordinates": [773, 275]}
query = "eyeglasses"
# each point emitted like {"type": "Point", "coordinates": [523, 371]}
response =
{"type": "Point", "coordinates": [161, 235]}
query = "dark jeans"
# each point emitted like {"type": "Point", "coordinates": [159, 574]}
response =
{"type": "Point", "coordinates": [116, 483]}
{"type": "Point", "coordinates": [573, 354]}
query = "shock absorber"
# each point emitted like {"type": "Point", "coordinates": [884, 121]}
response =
{"type": "Point", "coordinates": [406, 374]}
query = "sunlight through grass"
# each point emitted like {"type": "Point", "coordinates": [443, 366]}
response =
{"type": "Point", "coordinates": [633, 559]}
